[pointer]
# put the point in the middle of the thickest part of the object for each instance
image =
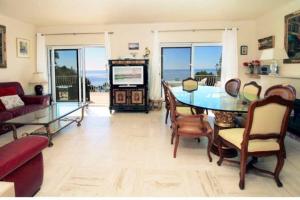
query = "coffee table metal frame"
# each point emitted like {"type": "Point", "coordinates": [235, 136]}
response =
{"type": "Point", "coordinates": [46, 129]}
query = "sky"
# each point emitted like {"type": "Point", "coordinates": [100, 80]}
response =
{"type": "Point", "coordinates": [179, 58]}
{"type": "Point", "coordinates": [94, 58]}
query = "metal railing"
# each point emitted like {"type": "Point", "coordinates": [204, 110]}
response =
{"type": "Point", "coordinates": [209, 80]}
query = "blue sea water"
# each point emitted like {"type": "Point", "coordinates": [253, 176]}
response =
{"type": "Point", "coordinates": [99, 77]}
{"type": "Point", "coordinates": [180, 74]}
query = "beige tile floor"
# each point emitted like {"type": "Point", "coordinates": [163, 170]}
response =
{"type": "Point", "coordinates": [129, 154]}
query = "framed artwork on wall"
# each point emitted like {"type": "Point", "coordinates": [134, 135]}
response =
{"type": "Point", "coordinates": [266, 43]}
{"type": "Point", "coordinates": [292, 37]}
{"type": "Point", "coordinates": [3, 47]}
{"type": "Point", "coordinates": [244, 50]}
{"type": "Point", "coordinates": [133, 46]}
{"type": "Point", "coordinates": [23, 48]}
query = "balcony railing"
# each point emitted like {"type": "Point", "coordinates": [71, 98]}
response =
{"type": "Point", "coordinates": [211, 80]}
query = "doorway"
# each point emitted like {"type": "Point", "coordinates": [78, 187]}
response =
{"type": "Point", "coordinates": [78, 74]}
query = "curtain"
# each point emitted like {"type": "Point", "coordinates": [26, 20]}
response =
{"type": "Point", "coordinates": [155, 77]}
{"type": "Point", "coordinates": [41, 56]}
{"type": "Point", "coordinates": [229, 55]}
{"type": "Point", "coordinates": [107, 51]}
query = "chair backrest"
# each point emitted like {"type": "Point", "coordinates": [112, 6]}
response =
{"type": "Point", "coordinates": [190, 84]}
{"type": "Point", "coordinates": [287, 92]}
{"type": "Point", "coordinates": [268, 118]}
{"type": "Point", "coordinates": [232, 87]}
{"type": "Point", "coordinates": [172, 101]}
{"type": "Point", "coordinates": [166, 88]}
{"type": "Point", "coordinates": [252, 88]}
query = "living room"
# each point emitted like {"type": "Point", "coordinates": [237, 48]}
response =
{"type": "Point", "coordinates": [115, 153]}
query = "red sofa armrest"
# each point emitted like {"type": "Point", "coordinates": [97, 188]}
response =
{"type": "Point", "coordinates": [16, 153]}
{"type": "Point", "coordinates": [41, 100]}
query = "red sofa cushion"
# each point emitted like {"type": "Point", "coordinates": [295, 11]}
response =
{"type": "Point", "coordinates": [5, 91]}
{"type": "Point", "coordinates": [17, 153]}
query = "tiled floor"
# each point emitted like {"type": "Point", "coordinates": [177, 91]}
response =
{"type": "Point", "coordinates": [129, 154]}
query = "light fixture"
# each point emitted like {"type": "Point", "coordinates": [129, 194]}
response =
{"type": "Point", "coordinates": [274, 54]}
{"type": "Point", "coordinates": [38, 79]}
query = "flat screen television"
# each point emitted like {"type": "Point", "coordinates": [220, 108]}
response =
{"type": "Point", "coordinates": [128, 75]}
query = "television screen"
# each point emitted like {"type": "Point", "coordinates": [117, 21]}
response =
{"type": "Point", "coordinates": [128, 75]}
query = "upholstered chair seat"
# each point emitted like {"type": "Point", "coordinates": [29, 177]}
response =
{"type": "Point", "coordinates": [235, 136]}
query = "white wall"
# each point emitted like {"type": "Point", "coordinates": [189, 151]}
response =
{"type": "Point", "coordinates": [18, 69]}
{"type": "Point", "coordinates": [272, 23]}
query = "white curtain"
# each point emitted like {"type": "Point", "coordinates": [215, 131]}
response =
{"type": "Point", "coordinates": [229, 55]}
{"type": "Point", "coordinates": [155, 77]}
{"type": "Point", "coordinates": [41, 56]}
{"type": "Point", "coordinates": [107, 51]}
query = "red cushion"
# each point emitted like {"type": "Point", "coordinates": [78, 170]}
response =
{"type": "Point", "coordinates": [5, 91]}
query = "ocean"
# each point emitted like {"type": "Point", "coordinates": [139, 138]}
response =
{"type": "Point", "coordinates": [99, 77]}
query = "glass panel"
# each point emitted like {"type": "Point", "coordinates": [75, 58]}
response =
{"type": "Point", "coordinates": [176, 64]}
{"type": "Point", "coordinates": [207, 63]}
{"type": "Point", "coordinates": [66, 75]}
{"type": "Point", "coordinates": [97, 87]}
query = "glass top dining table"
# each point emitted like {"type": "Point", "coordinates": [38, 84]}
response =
{"type": "Point", "coordinates": [213, 98]}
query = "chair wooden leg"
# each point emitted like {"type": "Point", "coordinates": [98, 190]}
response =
{"type": "Point", "coordinates": [221, 158]}
{"type": "Point", "coordinates": [176, 146]}
{"type": "Point", "coordinates": [167, 115]}
{"type": "Point", "coordinates": [172, 137]}
{"type": "Point", "coordinates": [243, 166]}
{"type": "Point", "coordinates": [209, 147]}
{"type": "Point", "coordinates": [279, 165]}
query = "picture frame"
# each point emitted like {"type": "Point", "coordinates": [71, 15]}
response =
{"type": "Point", "coordinates": [244, 50]}
{"type": "Point", "coordinates": [133, 46]}
{"type": "Point", "coordinates": [120, 97]}
{"type": "Point", "coordinates": [292, 37]}
{"type": "Point", "coordinates": [137, 97]}
{"type": "Point", "coordinates": [266, 43]}
{"type": "Point", "coordinates": [3, 61]}
{"type": "Point", "coordinates": [23, 48]}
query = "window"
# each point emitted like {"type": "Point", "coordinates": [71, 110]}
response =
{"type": "Point", "coordinates": [195, 60]}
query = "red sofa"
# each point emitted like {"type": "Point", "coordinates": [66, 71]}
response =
{"type": "Point", "coordinates": [21, 162]}
{"type": "Point", "coordinates": [32, 103]}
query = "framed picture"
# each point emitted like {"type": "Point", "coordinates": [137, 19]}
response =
{"type": "Point", "coordinates": [133, 46]}
{"type": "Point", "coordinates": [128, 75]}
{"type": "Point", "coordinates": [23, 48]}
{"type": "Point", "coordinates": [244, 50]}
{"type": "Point", "coordinates": [2, 47]}
{"type": "Point", "coordinates": [292, 37]}
{"type": "Point", "coordinates": [266, 43]}
{"type": "Point", "coordinates": [120, 97]}
{"type": "Point", "coordinates": [137, 97]}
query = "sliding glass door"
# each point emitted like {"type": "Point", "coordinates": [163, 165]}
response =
{"type": "Point", "coordinates": [66, 74]}
{"type": "Point", "coordinates": [200, 61]}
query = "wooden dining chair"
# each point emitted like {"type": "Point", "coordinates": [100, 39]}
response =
{"type": "Point", "coordinates": [287, 92]}
{"type": "Point", "coordinates": [193, 126]}
{"type": "Point", "coordinates": [252, 89]}
{"type": "Point", "coordinates": [182, 109]}
{"type": "Point", "coordinates": [263, 135]}
{"type": "Point", "coordinates": [232, 87]}
{"type": "Point", "coordinates": [189, 84]}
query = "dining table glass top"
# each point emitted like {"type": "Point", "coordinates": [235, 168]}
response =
{"type": "Point", "coordinates": [214, 98]}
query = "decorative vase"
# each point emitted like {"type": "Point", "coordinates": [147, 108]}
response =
{"type": "Point", "coordinates": [251, 69]}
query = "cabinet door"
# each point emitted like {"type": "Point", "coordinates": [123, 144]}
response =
{"type": "Point", "coordinates": [120, 97]}
{"type": "Point", "coordinates": [137, 97]}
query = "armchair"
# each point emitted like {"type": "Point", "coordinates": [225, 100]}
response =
{"type": "Point", "coordinates": [22, 163]}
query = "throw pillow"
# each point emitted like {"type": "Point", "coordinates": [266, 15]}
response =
{"type": "Point", "coordinates": [11, 101]}
{"type": "Point", "coordinates": [5, 91]}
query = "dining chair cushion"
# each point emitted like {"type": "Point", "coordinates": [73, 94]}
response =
{"type": "Point", "coordinates": [251, 89]}
{"type": "Point", "coordinates": [268, 119]}
{"type": "Point", "coordinates": [194, 129]}
{"type": "Point", "coordinates": [190, 85]}
{"type": "Point", "coordinates": [235, 136]}
{"type": "Point", "coordinates": [184, 110]}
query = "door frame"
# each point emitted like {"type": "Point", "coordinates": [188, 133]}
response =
{"type": "Point", "coordinates": [81, 67]}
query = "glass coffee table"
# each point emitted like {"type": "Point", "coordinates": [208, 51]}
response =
{"type": "Point", "coordinates": [53, 119]}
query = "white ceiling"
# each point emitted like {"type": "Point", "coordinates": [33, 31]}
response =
{"type": "Point", "coordinates": [64, 12]}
